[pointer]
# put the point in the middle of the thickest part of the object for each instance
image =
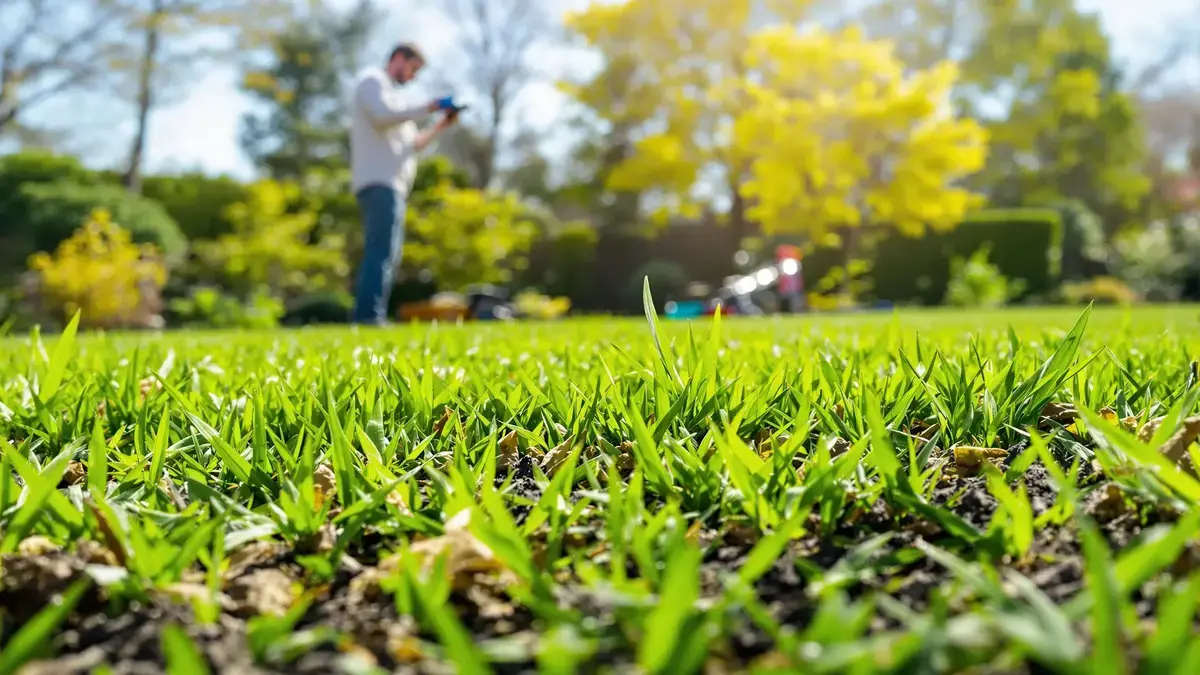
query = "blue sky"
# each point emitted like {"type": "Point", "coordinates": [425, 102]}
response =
{"type": "Point", "coordinates": [199, 128]}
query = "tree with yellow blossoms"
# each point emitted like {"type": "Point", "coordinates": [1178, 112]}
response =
{"type": "Point", "coordinates": [843, 137]}
{"type": "Point", "coordinates": [793, 129]}
{"type": "Point", "coordinates": [671, 80]}
{"type": "Point", "coordinates": [101, 273]}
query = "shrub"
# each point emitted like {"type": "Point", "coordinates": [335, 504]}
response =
{"type": "Point", "coordinates": [44, 197]}
{"type": "Point", "coordinates": [571, 271]}
{"type": "Point", "coordinates": [1155, 262]}
{"type": "Point", "coordinates": [210, 308]}
{"type": "Point", "coordinates": [465, 236]}
{"type": "Point", "coordinates": [1024, 244]}
{"type": "Point", "coordinates": [54, 211]}
{"type": "Point", "coordinates": [1100, 290]}
{"type": "Point", "coordinates": [1083, 244]}
{"type": "Point", "coordinates": [327, 307]}
{"type": "Point", "coordinates": [271, 247]}
{"type": "Point", "coordinates": [198, 203]}
{"type": "Point", "coordinates": [668, 280]}
{"type": "Point", "coordinates": [100, 272]}
{"type": "Point", "coordinates": [537, 306]}
{"type": "Point", "coordinates": [24, 168]}
{"type": "Point", "coordinates": [975, 282]}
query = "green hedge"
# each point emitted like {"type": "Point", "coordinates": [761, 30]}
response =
{"type": "Point", "coordinates": [33, 168]}
{"type": "Point", "coordinates": [1025, 244]}
{"type": "Point", "coordinates": [197, 203]}
{"type": "Point", "coordinates": [55, 210]}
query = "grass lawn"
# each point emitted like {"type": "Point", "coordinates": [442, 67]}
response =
{"type": "Point", "coordinates": [914, 492]}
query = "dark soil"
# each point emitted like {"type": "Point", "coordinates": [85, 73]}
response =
{"type": "Point", "coordinates": [127, 638]}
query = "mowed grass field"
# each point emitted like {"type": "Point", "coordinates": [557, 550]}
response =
{"type": "Point", "coordinates": [910, 492]}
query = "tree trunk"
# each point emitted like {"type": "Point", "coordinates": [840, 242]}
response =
{"type": "Point", "coordinates": [738, 226]}
{"type": "Point", "coordinates": [132, 180]}
{"type": "Point", "coordinates": [487, 168]}
{"type": "Point", "coordinates": [9, 100]}
{"type": "Point", "coordinates": [850, 245]}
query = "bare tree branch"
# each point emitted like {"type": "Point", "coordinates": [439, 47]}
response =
{"type": "Point", "coordinates": [493, 62]}
{"type": "Point", "coordinates": [39, 60]}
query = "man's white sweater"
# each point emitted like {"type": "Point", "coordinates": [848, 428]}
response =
{"type": "Point", "coordinates": [383, 134]}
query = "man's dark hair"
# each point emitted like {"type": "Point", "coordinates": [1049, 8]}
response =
{"type": "Point", "coordinates": [409, 52]}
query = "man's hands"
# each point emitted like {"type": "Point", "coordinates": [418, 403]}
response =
{"type": "Point", "coordinates": [447, 121]}
{"type": "Point", "coordinates": [426, 137]}
{"type": "Point", "coordinates": [445, 103]}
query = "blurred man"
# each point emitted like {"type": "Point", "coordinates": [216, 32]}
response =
{"type": "Point", "coordinates": [384, 143]}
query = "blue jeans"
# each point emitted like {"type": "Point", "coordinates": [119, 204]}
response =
{"type": "Point", "coordinates": [383, 212]}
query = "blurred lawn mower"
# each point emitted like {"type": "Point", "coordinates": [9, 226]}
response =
{"type": "Point", "coordinates": [772, 288]}
{"type": "Point", "coordinates": [483, 302]}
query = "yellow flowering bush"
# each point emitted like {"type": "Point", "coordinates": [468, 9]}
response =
{"type": "Point", "coordinates": [100, 272]}
{"type": "Point", "coordinates": [272, 245]}
{"type": "Point", "coordinates": [537, 306]}
{"type": "Point", "coordinates": [465, 236]}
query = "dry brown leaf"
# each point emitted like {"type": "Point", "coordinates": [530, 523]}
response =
{"type": "Point", "coordinates": [187, 593]}
{"type": "Point", "coordinates": [1146, 433]}
{"type": "Point", "coordinates": [1108, 504]}
{"type": "Point", "coordinates": [76, 474]}
{"type": "Point", "coordinates": [441, 423]}
{"type": "Point", "coordinates": [490, 606]}
{"type": "Point", "coordinates": [464, 554]}
{"type": "Point", "coordinates": [397, 500]}
{"type": "Point", "coordinates": [763, 443]}
{"type": "Point", "coordinates": [625, 461]}
{"type": "Point", "coordinates": [929, 431]}
{"type": "Point", "coordinates": [1059, 412]}
{"type": "Point", "coordinates": [324, 484]}
{"type": "Point", "coordinates": [111, 540]}
{"type": "Point", "coordinates": [968, 460]}
{"type": "Point", "coordinates": [1176, 447]}
{"type": "Point", "coordinates": [37, 545]}
{"type": "Point", "coordinates": [95, 553]}
{"type": "Point", "coordinates": [402, 643]}
{"type": "Point", "coordinates": [1107, 413]}
{"type": "Point", "coordinates": [250, 555]}
{"type": "Point", "coordinates": [149, 386]}
{"type": "Point", "coordinates": [322, 542]}
{"type": "Point", "coordinates": [742, 534]}
{"type": "Point", "coordinates": [838, 446]}
{"type": "Point", "coordinates": [509, 452]}
{"type": "Point", "coordinates": [263, 592]}
{"type": "Point", "coordinates": [556, 457]}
